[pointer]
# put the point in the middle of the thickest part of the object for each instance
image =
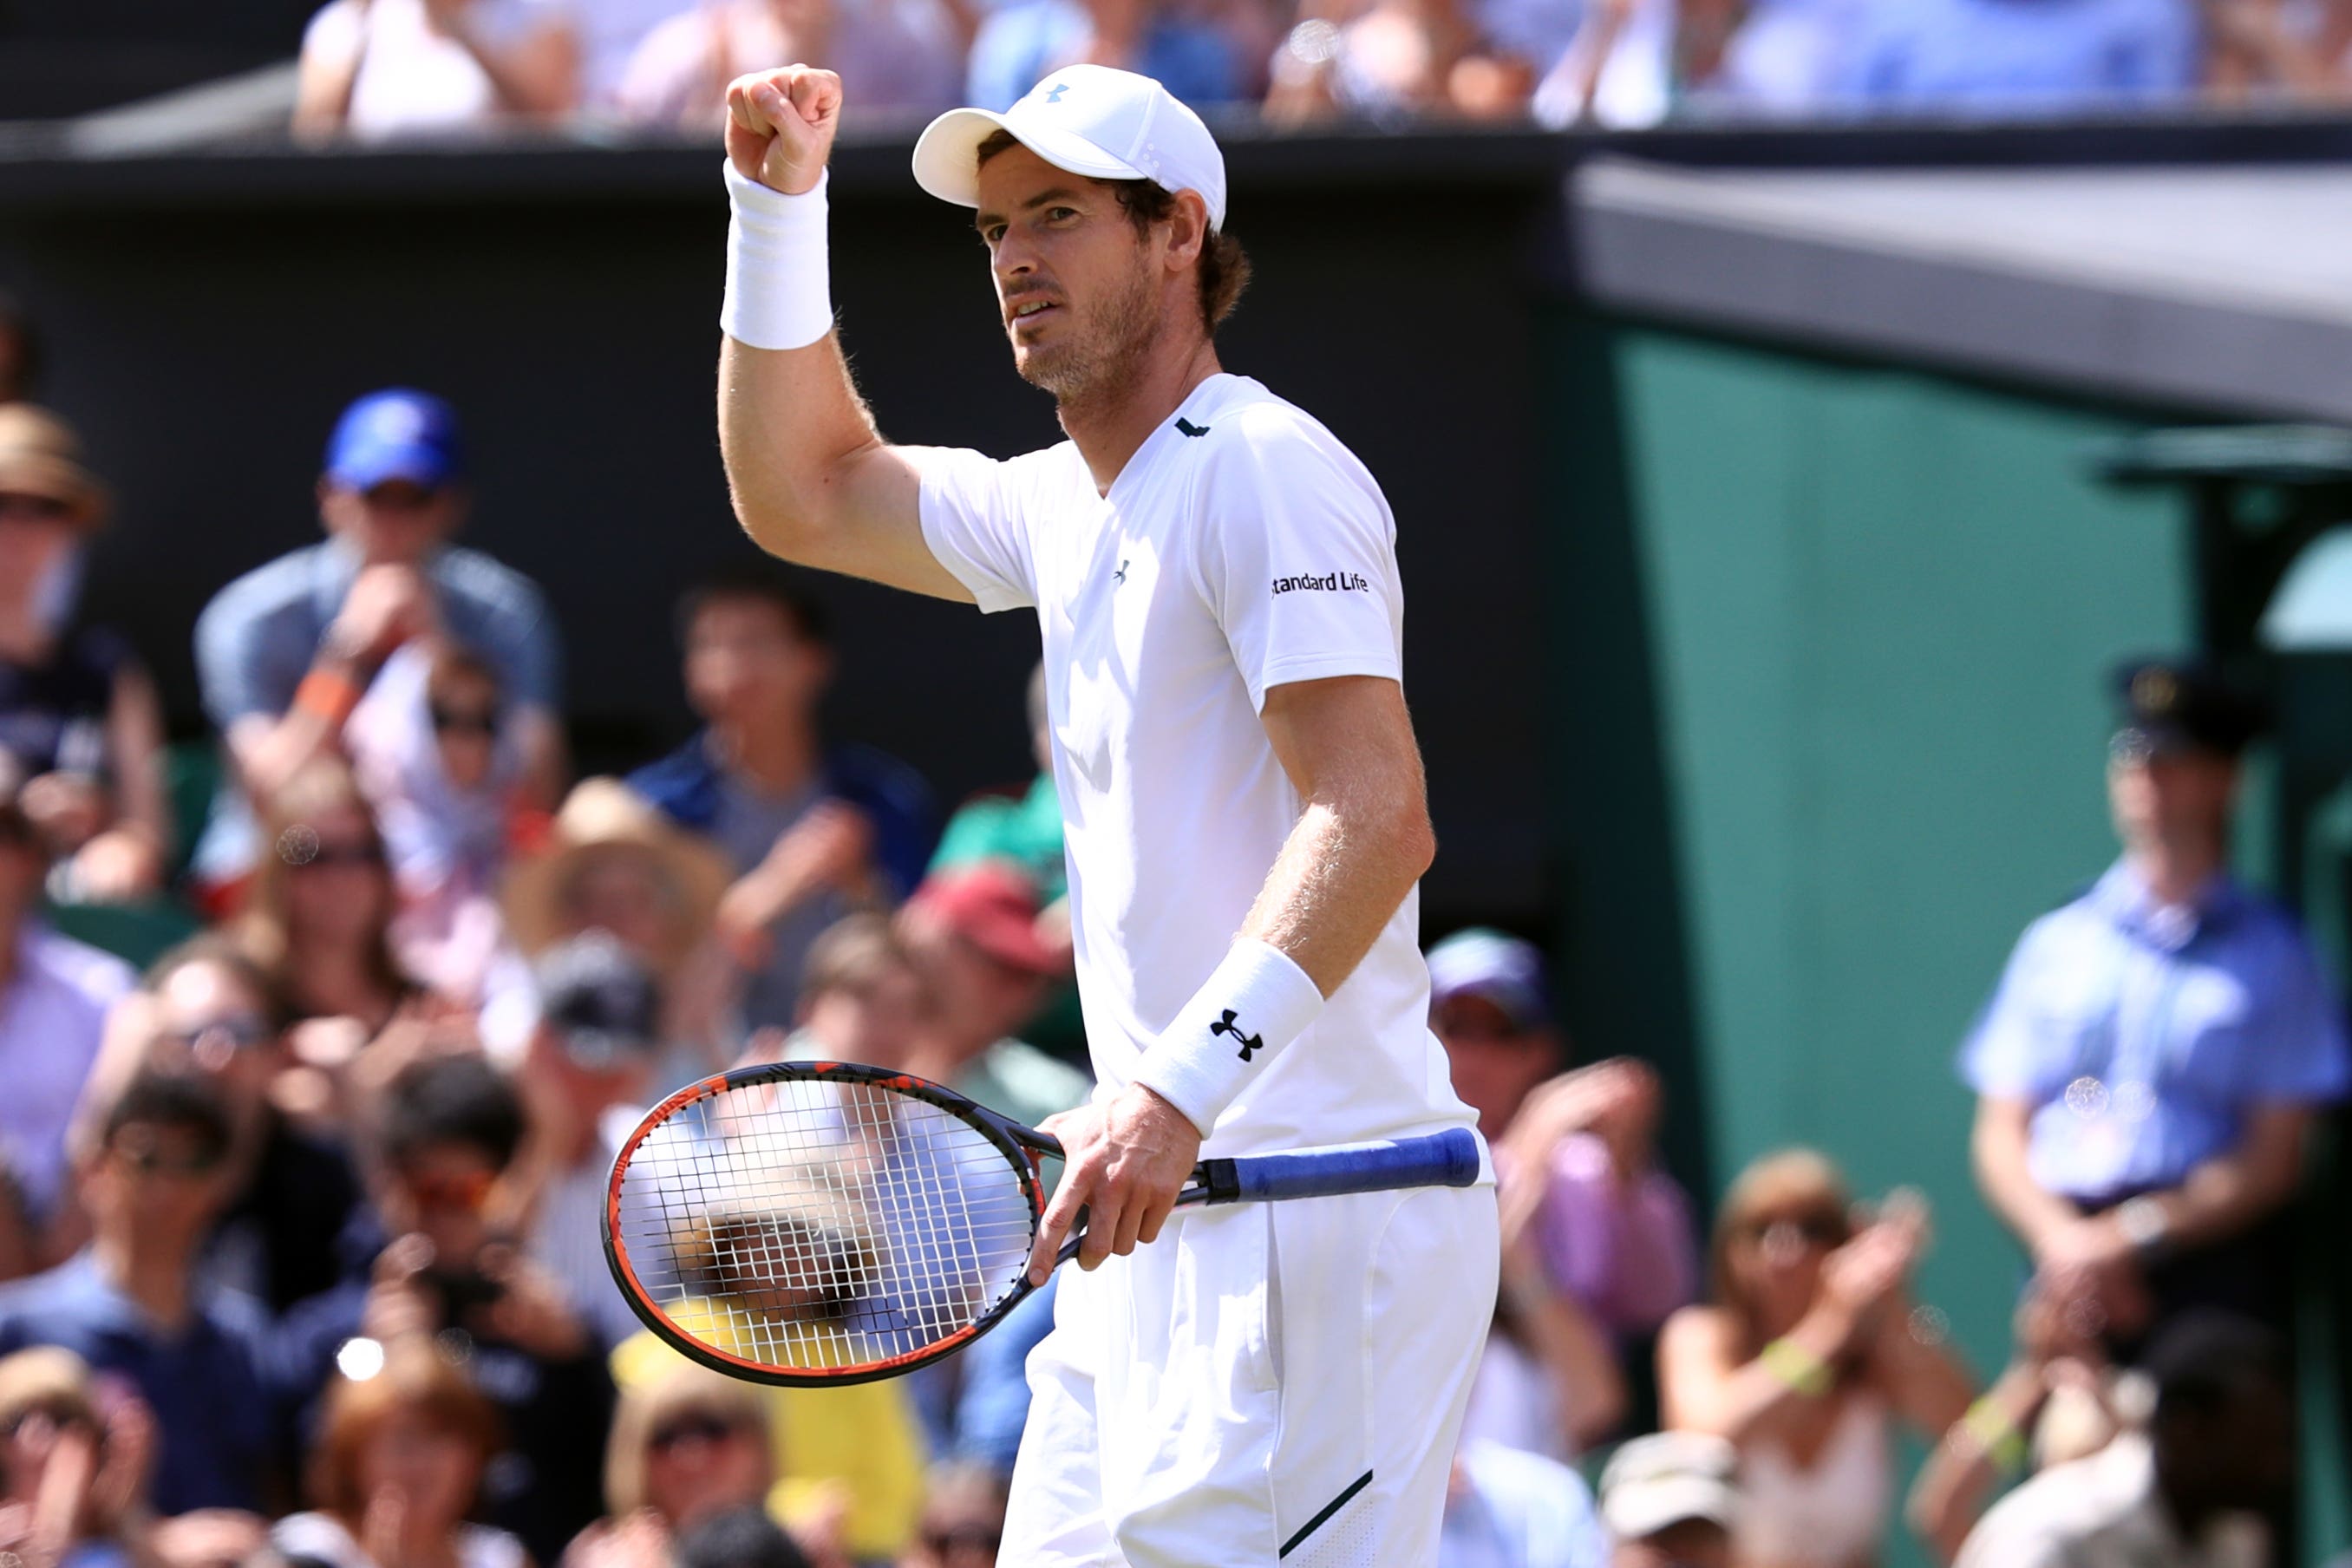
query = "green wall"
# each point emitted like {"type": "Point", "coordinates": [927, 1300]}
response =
{"type": "Point", "coordinates": [1831, 730]}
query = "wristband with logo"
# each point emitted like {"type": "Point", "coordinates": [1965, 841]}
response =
{"type": "Point", "coordinates": [778, 282]}
{"type": "Point", "coordinates": [1256, 1002]}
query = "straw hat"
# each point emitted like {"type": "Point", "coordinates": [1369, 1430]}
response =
{"type": "Point", "coordinates": [600, 813]}
{"type": "Point", "coordinates": [41, 456]}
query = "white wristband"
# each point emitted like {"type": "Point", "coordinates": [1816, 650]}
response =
{"type": "Point", "coordinates": [779, 287]}
{"type": "Point", "coordinates": [1257, 1002]}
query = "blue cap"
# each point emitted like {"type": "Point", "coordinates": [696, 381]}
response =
{"type": "Point", "coordinates": [396, 433]}
{"type": "Point", "coordinates": [1502, 969]}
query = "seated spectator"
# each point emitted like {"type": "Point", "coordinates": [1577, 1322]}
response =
{"type": "Point", "coordinates": [745, 1538]}
{"type": "Point", "coordinates": [687, 1447]}
{"type": "Point", "coordinates": [132, 1305]}
{"type": "Point", "coordinates": [55, 996]}
{"type": "Point", "coordinates": [285, 653]}
{"type": "Point", "coordinates": [812, 830]}
{"type": "Point", "coordinates": [433, 748]}
{"type": "Point", "coordinates": [20, 351]}
{"type": "Point", "coordinates": [376, 69]}
{"type": "Point", "coordinates": [1597, 1239]}
{"type": "Point", "coordinates": [963, 1523]}
{"type": "Point", "coordinates": [974, 939]}
{"type": "Point", "coordinates": [206, 1009]}
{"type": "Point", "coordinates": [2148, 1071]}
{"type": "Point", "coordinates": [2273, 50]}
{"type": "Point", "coordinates": [1507, 1509]}
{"type": "Point", "coordinates": [848, 1461]}
{"type": "Point", "coordinates": [77, 711]}
{"type": "Point", "coordinates": [1671, 1500]}
{"type": "Point", "coordinates": [1805, 1360]}
{"type": "Point", "coordinates": [1023, 42]}
{"type": "Point", "coordinates": [1609, 62]}
{"type": "Point", "coordinates": [73, 1478]}
{"type": "Point", "coordinates": [614, 864]}
{"type": "Point", "coordinates": [1994, 57]}
{"type": "Point", "coordinates": [400, 1457]}
{"type": "Point", "coordinates": [445, 1146]}
{"type": "Point", "coordinates": [902, 56]}
{"type": "Point", "coordinates": [610, 32]}
{"type": "Point", "coordinates": [1781, 58]}
{"type": "Point", "coordinates": [862, 998]}
{"type": "Point", "coordinates": [2186, 1493]}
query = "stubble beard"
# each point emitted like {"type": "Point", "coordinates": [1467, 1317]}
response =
{"type": "Point", "coordinates": [1104, 363]}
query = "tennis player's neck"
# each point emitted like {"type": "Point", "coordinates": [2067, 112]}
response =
{"type": "Point", "coordinates": [1110, 431]}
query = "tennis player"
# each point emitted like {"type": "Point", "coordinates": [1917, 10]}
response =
{"type": "Point", "coordinates": [1216, 581]}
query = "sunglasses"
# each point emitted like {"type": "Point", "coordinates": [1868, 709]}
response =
{"type": "Point", "coordinates": [149, 1161]}
{"type": "Point", "coordinates": [963, 1538]}
{"type": "Point", "coordinates": [238, 1032]}
{"type": "Point", "coordinates": [464, 720]}
{"type": "Point", "coordinates": [329, 855]}
{"type": "Point", "coordinates": [700, 1427]}
{"type": "Point", "coordinates": [1816, 1229]}
{"type": "Point", "coordinates": [34, 509]}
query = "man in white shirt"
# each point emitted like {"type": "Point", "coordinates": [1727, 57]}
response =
{"type": "Point", "coordinates": [1215, 577]}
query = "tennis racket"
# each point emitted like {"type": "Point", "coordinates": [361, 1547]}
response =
{"type": "Point", "coordinates": [822, 1223]}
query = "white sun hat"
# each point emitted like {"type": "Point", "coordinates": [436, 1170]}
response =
{"type": "Point", "coordinates": [1093, 121]}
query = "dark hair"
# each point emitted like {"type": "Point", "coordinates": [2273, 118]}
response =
{"type": "Point", "coordinates": [211, 950]}
{"type": "Point", "coordinates": [451, 1099]}
{"type": "Point", "coordinates": [171, 1100]}
{"type": "Point", "coordinates": [783, 591]}
{"type": "Point", "coordinates": [1224, 266]}
{"type": "Point", "coordinates": [2208, 1359]}
{"type": "Point", "coordinates": [741, 1538]}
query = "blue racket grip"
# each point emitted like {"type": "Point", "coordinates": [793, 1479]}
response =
{"type": "Point", "coordinates": [1448, 1159]}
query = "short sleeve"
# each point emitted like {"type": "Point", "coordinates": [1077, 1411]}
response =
{"type": "Point", "coordinates": [2299, 1053]}
{"type": "Point", "coordinates": [2006, 1055]}
{"type": "Point", "coordinates": [1297, 557]}
{"type": "Point", "coordinates": [973, 522]}
{"type": "Point", "coordinates": [248, 663]}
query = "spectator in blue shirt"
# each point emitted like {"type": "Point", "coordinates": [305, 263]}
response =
{"type": "Point", "coordinates": [2149, 1071]}
{"type": "Point", "coordinates": [285, 652]}
{"type": "Point", "coordinates": [132, 1302]}
{"type": "Point", "coordinates": [1022, 42]}
{"type": "Point", "coordinates": [2008, 56]}
{"type": "Point", "coordinates": [812, 830]}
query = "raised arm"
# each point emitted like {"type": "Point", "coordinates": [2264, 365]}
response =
{"type": "Point", "coordinates": [813, 479]}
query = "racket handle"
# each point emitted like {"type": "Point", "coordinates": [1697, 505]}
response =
{"type": "Point", "coordinates": [1448, 1159]}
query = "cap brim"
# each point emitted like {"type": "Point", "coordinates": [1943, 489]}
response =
{"type": "Point", "coordinates": [417, 465]}
{"type": "Point", "coordinates": [1644, 1507]}
{"type": "Point", "coordinates": [947, 155]}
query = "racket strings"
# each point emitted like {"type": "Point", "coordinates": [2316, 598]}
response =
{"type": "Point", "coordinates": [814, 1225]}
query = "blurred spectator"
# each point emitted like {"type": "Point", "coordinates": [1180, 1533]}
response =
{"type": "Point", "coordinates": [586, 1075]}
{"type": "Point", "coordinates": [132, 1304]}
{"type": "Point", "coordinates": [974, 936]}
{"type": "Point", "coordinates": [848, 1461]}
{"type": "Point", "coordinates": [1025, 829]}
{"type": "Point", "coordinates": [285, 653]}
{"type": "Point", "coordinates": [318, 917]}
{"type": "Point", "coordinates": [744, 1538]}
{"type": "Point", "coordinates": [77, 710]}
{"type": "Point", "coordinates": [903, 57]}
{"type": "Point", "coordinates": [1509, 1508]}
{"type": "Point", "coordinates": [73, 1477]}
{"type": "Point", "coordinates": [1989, 56]}
{"type": "Point", "coordinates": [2150, 1068]}
{"type": "Point", "coordinates": [862, 999]}
{"type": "Point", "coordinates": [449, 1132]}
{"type": "Point", "coordinates": [20, 351]}
{"type": "Point", "coordinates": [1672, 1500]}
{"type": "Point", "coordinates": [434, 747]}
{"type": "Point", "coordinates": [1597, 1240]}
{"type": "Point", "coordinates": [379, 69]}
{"type": "Point", "coordinates": [1023, 41]}
{"type": "Point", "coordinates": [1609, 62]}
{"type": "Point", "coordinates": [55, 995]}
{"type": "Point", "coordinates": [1771, 57]}
{"type": "Point", "coordinates": [205, 1008]}
{"type": "Point", "coordinates": [399, 1460]}
{"type": "Point", "coordinates": [963, 1519]}
{"type": "Point", "coordinates": [812, 831]}
{"type": "Point", "coordinates": [614, 864]}
{"type": "Point", "coordinates": [2274, 50]}
{"type": "Point", "coordinates": [2220, 1449]}
{"type": "Point", "coordinates": [1805, 1359]}
{"type": "Point", "coordinates": [610, 32]}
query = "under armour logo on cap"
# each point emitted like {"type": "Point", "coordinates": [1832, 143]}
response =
{"type": "Point", "coordinates": [1054, 94]}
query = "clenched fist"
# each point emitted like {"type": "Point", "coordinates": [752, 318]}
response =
{"type": "Point", "coordinates": [780, 126]}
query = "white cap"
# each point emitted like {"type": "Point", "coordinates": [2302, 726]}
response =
{"type": "Point", "coordinates": [1094, 121]}
{"type": "Point", "coordinates": [1665, 1478]}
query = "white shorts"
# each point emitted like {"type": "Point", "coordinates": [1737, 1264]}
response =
{"type": "Point", "coordinates": [1269, 1383]}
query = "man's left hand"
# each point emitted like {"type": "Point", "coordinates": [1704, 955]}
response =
{"type": "Point", "coordinates": [1127, 1159]}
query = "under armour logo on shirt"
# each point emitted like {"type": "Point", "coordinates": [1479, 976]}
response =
{"type": "Point", "coordinates": [1190, 428]}
{"type": "Point", "coordinates": [1225, 1025]}
{"type": "Point", "coordinates": [1119, 575]}
{"type": "Point", "coordinates": [1054, 94]}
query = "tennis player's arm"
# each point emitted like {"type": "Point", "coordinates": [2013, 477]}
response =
{"type": "Point", "coordinates": [812, 477]}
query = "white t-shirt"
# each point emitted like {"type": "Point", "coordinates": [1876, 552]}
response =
{"type": "Point", "coordinates": [2103, 1512]}
{"type": "Point", "coordinates": [1240, 548]}
{"type": "Point", "coordinates": [411, 78]}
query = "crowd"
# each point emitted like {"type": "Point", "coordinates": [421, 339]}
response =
{"type": "Point", "coordinates": [378, 68]}
{"type": "Point", "coordinates": [300, 1220]}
